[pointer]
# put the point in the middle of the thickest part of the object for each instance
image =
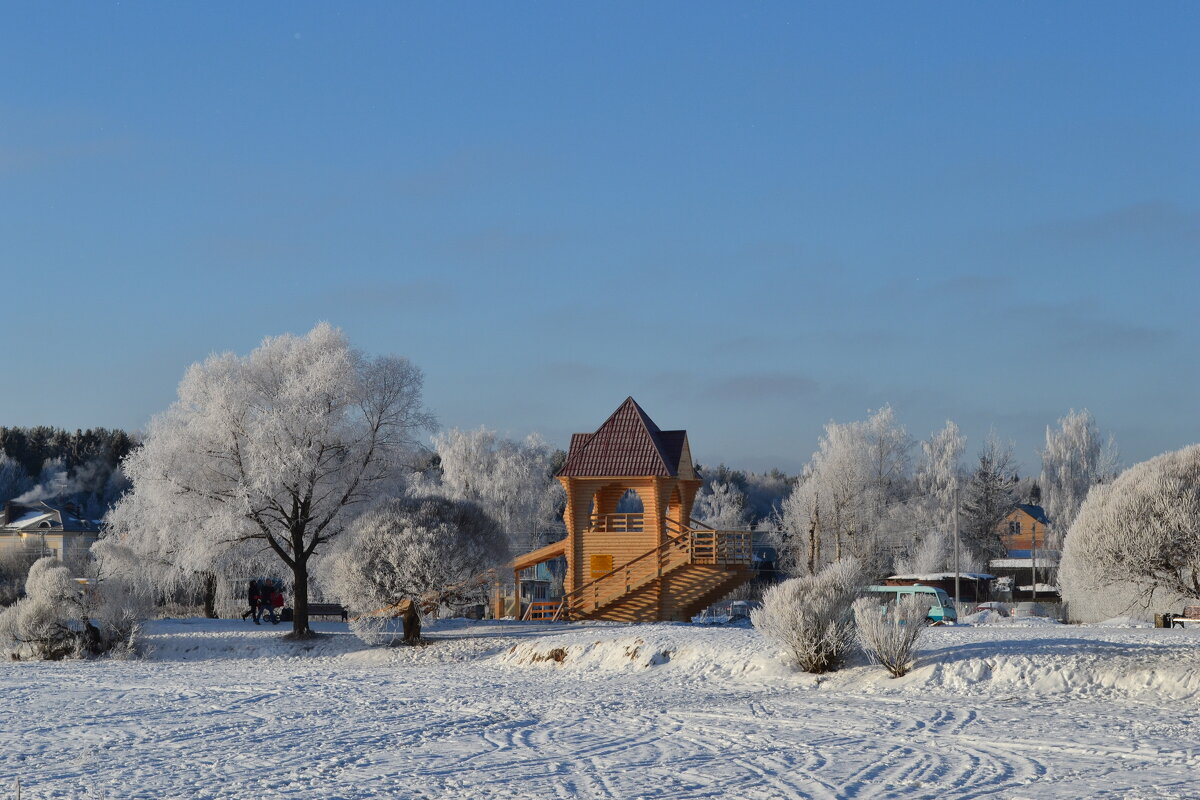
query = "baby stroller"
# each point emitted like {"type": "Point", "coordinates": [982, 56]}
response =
{"type": "Point", "coordinates": [265, 598]}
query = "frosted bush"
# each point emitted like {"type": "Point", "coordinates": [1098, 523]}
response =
{"type": "Point", "coordinates": [61, 618]}
{"type": "Point", "coordinates": [428, 549]}
{"type": "Point", "coordinates": [810, 617]}
{"type": "Point", "coordinates": [375, 630]}
{"type": "Point", "coordinates": [890, 635]}
{"type": "Point", "coordinates": [1134, 547]}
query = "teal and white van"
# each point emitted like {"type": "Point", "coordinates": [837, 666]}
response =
{"type": "Point", "coordinates": [941, 608]}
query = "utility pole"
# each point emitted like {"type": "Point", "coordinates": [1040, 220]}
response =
{"type": "Point", "coordinates": [1033, 563]}
{"type": "Point", "coordinates": [956, 562]}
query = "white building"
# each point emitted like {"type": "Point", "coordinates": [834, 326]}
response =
{"type": "Point", "coordinates": [39, 529]}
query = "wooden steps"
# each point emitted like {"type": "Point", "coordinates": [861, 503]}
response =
{"type": "Point", "coordinates": [693, 567]}
{"type": "Point", "coordinates": [677, 596]}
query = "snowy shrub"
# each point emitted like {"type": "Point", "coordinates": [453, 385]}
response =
{"type": "Point", "coordinates": [61, 618]}
{"type": "Point", "coordinates": [810, 617]}
{"type": "Point", "coordinates": [431, 549]}
{"type": "Point", "coordinates": [889, 634]}
{"type": "Point", "coordinates": [1136, 541]}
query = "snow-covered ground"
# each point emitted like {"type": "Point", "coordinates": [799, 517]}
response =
{"type": "Point", "coordinates": [222, 709]}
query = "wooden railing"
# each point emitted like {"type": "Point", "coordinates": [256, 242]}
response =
{"type": "Point", "coordinates": [701, 545]}
{"type": "Point", "coordinates": [617, 523]}
{"type": "Point", "coordinates": [542, 610]}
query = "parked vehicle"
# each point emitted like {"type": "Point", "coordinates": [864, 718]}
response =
{"type": "Point", "coordinates": [1003, 609]}
{"type": "Point", "coordinates": [1028, 609]}
{"type": "Point", "coordinates": [941, 608]}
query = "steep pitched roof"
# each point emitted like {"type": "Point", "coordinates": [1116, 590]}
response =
{"type": "Point", "coordinates": [628, 443]}
{"type": "Point", "coordinates": [1037, 512]}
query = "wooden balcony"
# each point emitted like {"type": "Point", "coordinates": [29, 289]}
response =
{"type": "Point", "coordinates": [617, 523]}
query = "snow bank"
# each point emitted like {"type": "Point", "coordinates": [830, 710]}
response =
{"type": "Point", "coordinates": [1124, 622]}
{"type": "Point", "coordinates": [700, 651]}
{"type": "Point", "coordinates": [1004, 658]}
{"type": "Point", "coordinates": [1000, 658]}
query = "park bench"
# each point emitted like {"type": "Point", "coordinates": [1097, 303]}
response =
{"type": "Point", "coordinates": [1190, 616]}
{"type": "Point", "coordinates": [327, 610]}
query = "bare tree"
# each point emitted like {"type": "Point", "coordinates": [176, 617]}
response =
{"type": "Point", "coordinates": [270, 454]}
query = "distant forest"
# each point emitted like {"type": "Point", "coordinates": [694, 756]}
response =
{"type": "Point", "coordinates": [59, 466]}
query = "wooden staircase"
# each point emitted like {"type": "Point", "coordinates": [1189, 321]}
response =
{"type": "Point", "coordinates": [693, 568]}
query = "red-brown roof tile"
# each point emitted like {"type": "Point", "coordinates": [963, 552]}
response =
{"type": "Point", "coordinates": [628, 443]}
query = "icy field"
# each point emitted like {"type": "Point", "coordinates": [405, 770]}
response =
{"type": "Point", "coordinates": [224, 710]}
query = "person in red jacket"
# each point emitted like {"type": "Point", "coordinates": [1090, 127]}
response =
{"type": "Point", "coordinates": [268, 591]}
{"type": "Point", "coordinates": [276, 603]}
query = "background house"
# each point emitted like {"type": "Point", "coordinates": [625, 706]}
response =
{"type": "Point", "coordinates": [40, 529]}
{"type": "Point", "coordinates": [1029, 567]}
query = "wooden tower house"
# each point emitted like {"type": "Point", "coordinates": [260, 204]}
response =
{"type": "Point", "coordinates": [656, 564]}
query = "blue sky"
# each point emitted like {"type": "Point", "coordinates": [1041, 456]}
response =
{"type": "Point", "coordinates": [754, 218]}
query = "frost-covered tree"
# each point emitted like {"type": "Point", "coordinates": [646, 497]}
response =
{"type": "Point", "coordinates": [987, 498]}
{"type": "Point", "coordinates": [939, 472]}
{"type": "Point", "coordinates": [722, 506]}
{"type": "Point", "coordinates": [764, 492]}
{"type": "Point", "coordinates": [432, 549]}
{"type": "Point", "coordinates": [1075, 459]}
{"type": "Point", "coordinates": [918, 529]}
{"type": "Point", "coordinates": [270, 455]}
{"type": "Point", "coordinates": [797, 529]}
{"type": "Point", "coordinates": [888, 447]}
{"type": "Point", "coordinates": [932, 552]}
{"type": "Point", "coordinates": [889, 636]}
{"type": "Point", "coordinates": [512, 481]}
{"type": "Point", "coordinates": [837, 478]}
{"type": "Point", "coordinates": [809, 617]}
{"type": "Point", "coordinates": [58, 618]}
{"type": "Point", "coordinates": [1136, 540]}
{"type": "Point", "coordinates": [858, 471]}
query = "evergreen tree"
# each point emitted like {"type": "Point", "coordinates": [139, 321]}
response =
{"type": "Point", "coordinates": [989, 496]}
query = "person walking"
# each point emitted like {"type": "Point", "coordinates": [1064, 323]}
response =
{"type": "Point", "coordinates": [266, 596]}
{"type": "Point", "coordinates": [275, 601]}
{"type": "Point", "coordinates": [252, 598]}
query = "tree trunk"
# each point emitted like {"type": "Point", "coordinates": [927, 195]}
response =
{"type": "Point", "coordinates": [300, 629]}
{"type": "Point", "coordinates": [814, 541]}
{"type": "Point", "coordinates": [210, 595]}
